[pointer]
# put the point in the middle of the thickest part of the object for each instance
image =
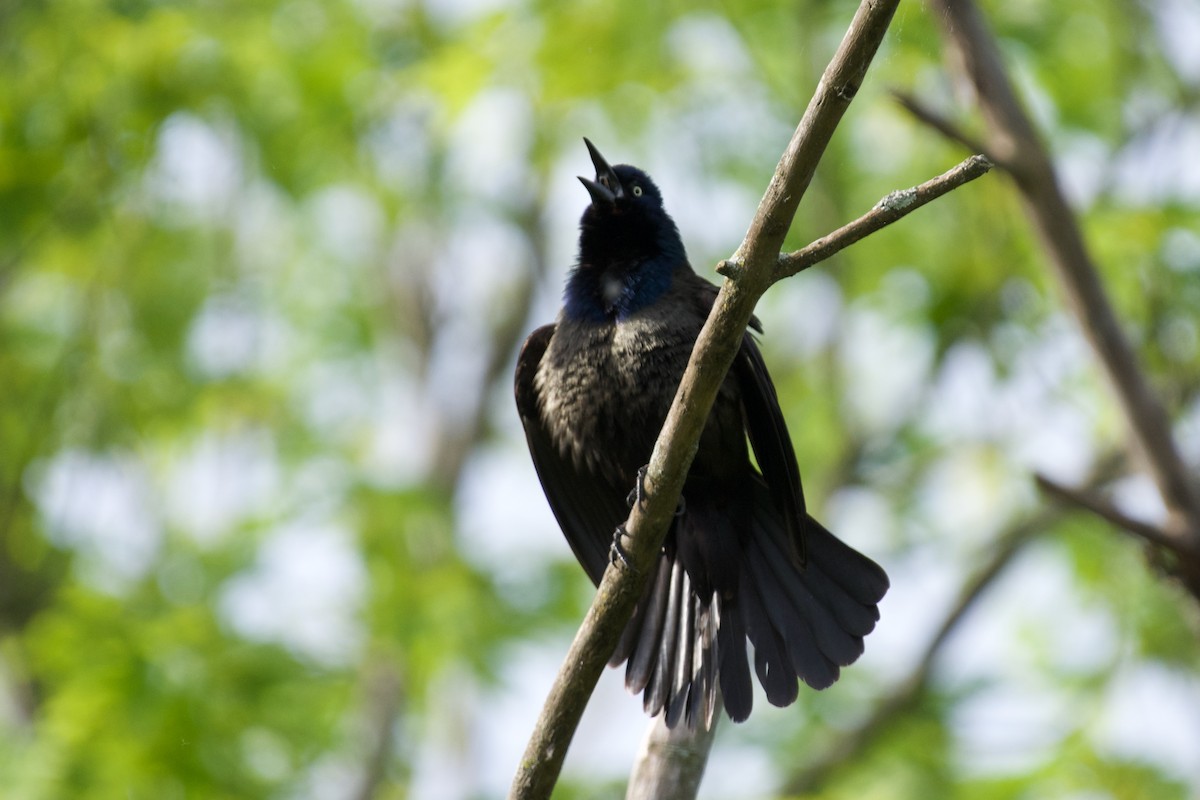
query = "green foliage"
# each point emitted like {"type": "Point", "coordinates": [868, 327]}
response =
{"type": "Point", "coordinates": [139, 696]}
{"type": "Point", "coordinates": [262, 269]}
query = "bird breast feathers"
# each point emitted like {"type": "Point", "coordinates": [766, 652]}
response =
{"type": "Point", "coordinates": [596, 380]}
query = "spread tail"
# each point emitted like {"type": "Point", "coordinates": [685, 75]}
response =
{"type": "Point", "coordinates": [805, 623]}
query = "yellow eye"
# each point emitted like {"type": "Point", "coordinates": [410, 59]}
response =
{"type": "Point", "coordinates": [637, 191]}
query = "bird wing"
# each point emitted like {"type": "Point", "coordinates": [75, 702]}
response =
{"type": "Point", "coordinates": [772, 445]}
{"type": "Point", "coordinates": [586, 507]}
{"type": "Point", "coordinates": [765, 427]}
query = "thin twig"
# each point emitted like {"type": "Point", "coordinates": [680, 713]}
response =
{"type": "Point", "coordinates": [895, 206]}
{"type": "Point", "coordinates": [1104, 509]}
{"type": "Point", "coordinates": [944, 126]}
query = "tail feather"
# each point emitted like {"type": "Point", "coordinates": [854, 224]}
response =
{"type": "Point", "coordinates": [804, 621]}
{"type": "Point", "coordinates": [839, 578]}
{"type": "Point", "coordinates": [771, 664]}
{"type": "Point", "coordinates": [705, 656]}
{"type": "Point", "coordinates": [790, 621]}
{"type": "Point", "coordinates": [859, 576]}
{"type": "Point", "coordinates": [649, 639]}
{"type": "Point", "coordinates": [853, 616]}
{"type": "Point", "coordinates": [822, 610]}
{"type": "Point", "coordinates": [633, 628]}
{"type": "Point", "coordinates": [682, 681]}
{"type": "Point", "coordinates": [734, 670]}
{"type": "Point", "coordinates": [817, 601]}
{"type": "Point", "coordinates": [840, 646]}
{"type": "Point", "coordinates": [658, 691]}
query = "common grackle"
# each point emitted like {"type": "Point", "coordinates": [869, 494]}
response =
{"type": "Point", "coordinates": [742, 558]}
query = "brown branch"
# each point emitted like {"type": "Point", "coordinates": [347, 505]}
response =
{"type": "Point", "coordinates": [713, 354]}
{"type": "Point", "coordinates": [944, 126]}
{"type": "Point", "coordinates": [384, 695]}
{"type": "Point", "coordinates": [1087, 500]}
{"type": "Point", "coordinates": [455, 441]}
{"type": "Point", "coordinates": [1015, 144]}
{"type": "Point", "coordinates": [671, 761]}
{"type": "Point", "coordinates": [895, 206]}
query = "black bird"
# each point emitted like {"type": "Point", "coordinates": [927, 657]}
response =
{"type": "Point", "coordinates": [743, 558]}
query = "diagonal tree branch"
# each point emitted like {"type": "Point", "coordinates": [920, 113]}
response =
{"type": "Point", "coordinates": [1014, 143]}
{"type": "Point", "coordinates": [1183, 547]}
{"type": "Point", "coordinates": [711, 358]}
{"type": "Point", "coordinates": [946, 127]}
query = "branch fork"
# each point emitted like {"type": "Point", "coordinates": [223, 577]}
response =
{"type": "Point", "coordinates": [754, 267]}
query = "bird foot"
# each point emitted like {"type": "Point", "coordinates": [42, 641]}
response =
{"type": "Point", "coordinates": [638, 495]}
{"type": "Point", "coordinates": [617, 551]}
{"type": "Point", "coordinates": [639, 490]}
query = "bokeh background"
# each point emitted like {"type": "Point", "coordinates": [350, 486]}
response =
{"type": "Point", "coordinates": [267, 524]}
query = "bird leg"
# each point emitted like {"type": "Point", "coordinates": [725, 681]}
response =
{"type": "Point", "coordinates": [638, 495]}
{"type": "Point", "coordinates": [639, 490]}
{"type": "Point", "coordinates": [617, 551]}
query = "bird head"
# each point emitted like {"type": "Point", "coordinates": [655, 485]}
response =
{"type": "Point", "coordinates": [621, 189]}
{"type": "Point", "coordinates": [628, 244]}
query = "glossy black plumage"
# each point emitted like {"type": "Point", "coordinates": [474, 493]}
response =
{"type": "Point", "coordinates": [744, 559]}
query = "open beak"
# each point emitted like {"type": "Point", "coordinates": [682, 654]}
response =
{"type": "Point", "coordinates": [606, 190]}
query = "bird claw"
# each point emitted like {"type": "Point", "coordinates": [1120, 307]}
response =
{"type": "Point", "coordinates": [639, 490]}
{"type": "Point", "coordinates": [638, 495]}
{"type": "Point", "coordinates": [617, 551]}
